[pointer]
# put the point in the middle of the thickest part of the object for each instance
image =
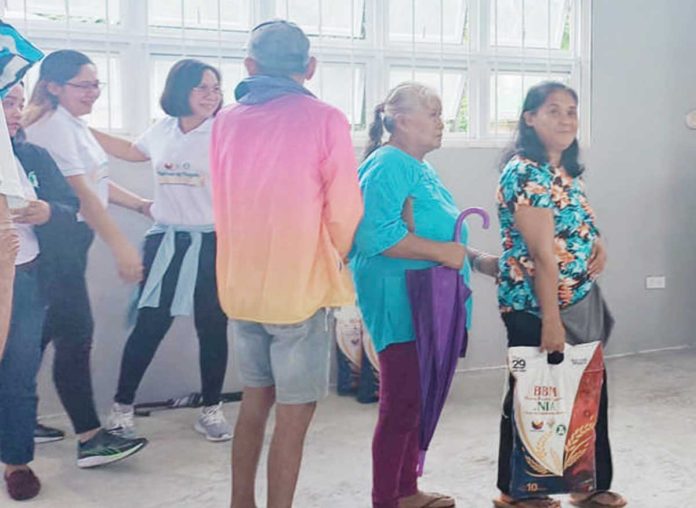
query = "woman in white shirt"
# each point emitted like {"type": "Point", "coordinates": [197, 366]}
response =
{"type": "Point", "coordinates": [180, 250]}
{"type": "Point", "coordinates": [67, 89]}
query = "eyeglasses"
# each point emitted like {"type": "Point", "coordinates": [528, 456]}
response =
{"type": "Point", "coordinates": [207, 90]}
{"type": "Point", "coordinates": [86, 86]}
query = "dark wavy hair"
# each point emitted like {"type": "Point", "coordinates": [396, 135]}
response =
{"type": "Point", "coordinates": [527, 143]}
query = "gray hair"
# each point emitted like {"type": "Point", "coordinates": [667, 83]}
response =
{"type": "Point", "coordinates": [403, 99]}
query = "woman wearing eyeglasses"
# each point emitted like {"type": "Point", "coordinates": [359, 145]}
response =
{"type": "Point", "coordinates": [67, 89]}
{"type": "Point", "coordinates": [180, 249]}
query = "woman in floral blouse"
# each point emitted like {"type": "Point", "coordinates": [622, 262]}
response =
{"type": "Point", "coordinates": [552, 253]}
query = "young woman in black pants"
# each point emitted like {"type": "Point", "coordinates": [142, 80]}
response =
{"type": "Point", "coordinates": [180, 249]}
{"type": "Point", "coordinates": [67, 88]}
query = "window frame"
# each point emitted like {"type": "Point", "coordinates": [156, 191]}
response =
{"type": "Point", "coordinates": [135, 42]}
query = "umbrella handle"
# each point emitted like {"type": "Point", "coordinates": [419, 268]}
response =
{"type": "Point", "coordinates": [470, 211]}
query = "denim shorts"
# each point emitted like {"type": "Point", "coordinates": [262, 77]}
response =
{"type": "Point", "coordinates": [294, 358]}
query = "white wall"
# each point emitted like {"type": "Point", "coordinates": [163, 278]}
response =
{"type": "Point", "coordinates": [641, 182]}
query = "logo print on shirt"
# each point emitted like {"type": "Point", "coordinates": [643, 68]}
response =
{"type": "Point", "coordinates": [171, 173]}
{"type": "Point", "coordinates": [32, 179]}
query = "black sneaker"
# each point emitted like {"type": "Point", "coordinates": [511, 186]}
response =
{"type": "Point", "coordinates": [44, 434]}
{"type": "Point", "coordinates": [105, 448]}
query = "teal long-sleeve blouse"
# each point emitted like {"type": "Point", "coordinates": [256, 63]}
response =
{"type": "Point", "coordinates": [388, 177]}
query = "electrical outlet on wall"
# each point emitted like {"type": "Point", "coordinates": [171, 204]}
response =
{"type": "Point", "coordinates": [655, 282]}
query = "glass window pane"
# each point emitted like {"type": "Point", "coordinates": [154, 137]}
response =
{"type": "Point", "coordinates": [111, 96]}
{"type": "Point", "coordinates": [450, 85]}
{"type": "Point", "coordinates": [232, 71]}
{"type": "Point", "coordinates": [200, 14]}
{"type": "Point", "coordinates": [332, 84]}
{"type": "Point", "coordinates": [509, 90]}
{"type": "Point", "coordinates": [335, 16]}
{"type": "Point", "coordinates": [81, 11]}
{"type": "Point", "coordinates": [537, 23]}
{"type": "Point", "coordinates": [428, 17]}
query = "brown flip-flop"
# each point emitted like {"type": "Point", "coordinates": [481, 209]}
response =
{"type": "Point", "coordinates": [447, 501]}
{"type": "Point", "coordinates": [590, 502]}
{"type": "Point", "coordinates": [527, 502]}
{"type": "Point", "coordinates": [444, 501]}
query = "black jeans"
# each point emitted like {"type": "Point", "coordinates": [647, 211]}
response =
{"type": "Point", "coordinates": [152, 324]}
{"type": "Point", "coordinates": [70, 326]}
{"type": "Point", "coordinates": [524, 329]}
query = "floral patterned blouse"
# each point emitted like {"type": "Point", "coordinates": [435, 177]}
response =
{"type": "Point", "coordinates": [524, 182]}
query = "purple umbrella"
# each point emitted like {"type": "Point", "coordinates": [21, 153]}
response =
{"type": "Point", "coordinates": [438, 307]}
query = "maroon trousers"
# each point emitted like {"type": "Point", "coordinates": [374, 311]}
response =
{"type": "Point", "coordinates": [395, 443]}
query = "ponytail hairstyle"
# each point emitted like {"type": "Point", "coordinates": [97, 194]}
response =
{"type": "Point", "coordinates": [403, 99]}
{"type": "Point", "coordinates": [59, 67]}
{"type": "Point", "coordinates": [527, 143]}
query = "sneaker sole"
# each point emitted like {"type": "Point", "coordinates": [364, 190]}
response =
{"type": "Point", "coordinates": [199, 428]}
{"type": "Point", "coordinates": [42, 440]}
{"type": "Point", "coordinates": [102, 460]}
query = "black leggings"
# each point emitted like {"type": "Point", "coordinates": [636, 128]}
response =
{"type": "Point", "coordinates": [69, 325]}
{"type": "Point", "coordinates": [152, 324]}
{"type": "Point", "coordinates": [524, 329]}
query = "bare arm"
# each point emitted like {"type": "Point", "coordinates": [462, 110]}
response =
{"type": "Point", "coordinates": [9, 245]}
{"type": "Point", "coordinates": [450, 254]}
{"type": "Point", "coordinates": [419, 248]}
{"type": "Point", "coordinates": [483, 262]}
{"type": "Point", "coordinates": [119, 147]}
{"type": "Point", "coordinates": [127, 257]}
{"type": "Point", "coordinates": [537, 228]}
{"type": "Point", "coordinates": [120, 196]}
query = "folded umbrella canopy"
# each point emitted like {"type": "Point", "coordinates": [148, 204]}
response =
{"type": "Point", "coordinates": [438, 298]}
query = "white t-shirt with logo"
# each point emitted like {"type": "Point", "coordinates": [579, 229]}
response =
{"type": "Point", "coordinates": [183, 193]}
{"type": "Point", "coordinates": [74, 148]}
{"type": "Point", "coordinates": [28, 243]}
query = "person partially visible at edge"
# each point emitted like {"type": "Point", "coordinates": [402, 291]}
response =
{"type": "Point", "coordinates": [286, 203]}
{"type": "Point", "coordinates": [179, 250]}
{"type": "Point", "coordinates": [10, 74]}
{"type": "Point", "coordinates": [9, 246]}
{"type": "Point", "coordinates": [552, 254]}
{"type": "Point", "coordinates": [408, 224]}
{"type": "Point", "coordinates": [50, 207]}
{"type": "Point", "coordinates": [67, 89]}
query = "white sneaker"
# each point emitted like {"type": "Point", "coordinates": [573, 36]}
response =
{"type": "Point", "coordinates": [213, 425]}
{"type": "Point", "coordinates": [121, 421]}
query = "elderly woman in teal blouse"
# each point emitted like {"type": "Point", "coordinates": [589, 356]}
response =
{"type": "Point", "coordinates": [408, 224]}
